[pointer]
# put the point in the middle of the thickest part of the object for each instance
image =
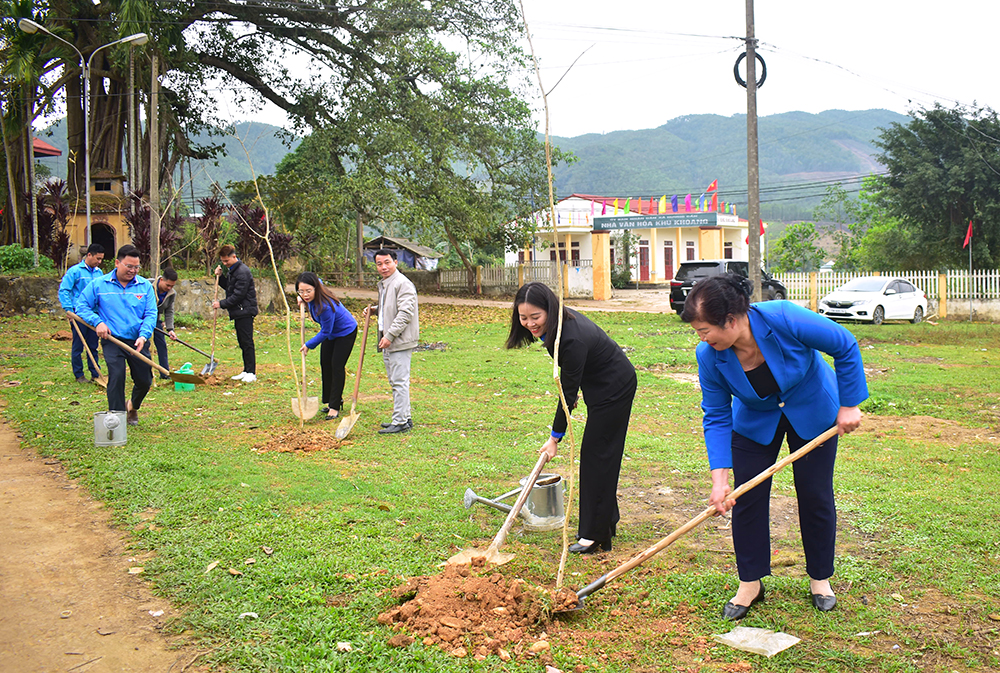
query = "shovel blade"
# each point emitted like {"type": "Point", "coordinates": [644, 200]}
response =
{"type": "Point", "coordinates": [209, 369]}
{"type": "Point", "coordinates": [346, 425]}
{"type": "Point", "coordinates": [186, 378]}
{"type": "Point", "coordinates": [479, 557]}
{"type": "Point", "coordinates": [101, 381]}
{"type": "Point", "coordinates": [305, 409]}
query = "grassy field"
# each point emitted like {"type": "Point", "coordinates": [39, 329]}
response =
{"type": "Point", "coordinates": [205, 479]}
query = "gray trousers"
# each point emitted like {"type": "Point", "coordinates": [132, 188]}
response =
{"type": "Point", "coordinates": [397, 369]}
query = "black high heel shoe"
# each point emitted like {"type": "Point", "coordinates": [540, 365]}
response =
{"type": "Point", "coordinates": [598, 545]}
{"type": "Point", "coordinates": [824, 603]}
{"type": "Point", "coordinates": [734, 612]}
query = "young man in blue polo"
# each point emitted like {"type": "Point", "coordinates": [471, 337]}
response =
{"type": "Point", "coordinates": [122, 304]}
{"type": "Point", "coordinates": [76, 279]}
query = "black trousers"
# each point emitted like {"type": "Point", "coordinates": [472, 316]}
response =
{"type": "Point", "coordinates": [244, 337]}
{"type": "Point", "coordinates": [813, 476]}
{"type": "Point", "coordinates": [601, 453]}
{"type": "Point", "coordinates": [333, 356]}
{"type": "Point", "coordinates": [78, 358]}
{"type": "Point", "coordinates": [142, 375]}
{"type": "Point", "coordinates": [160, 342]}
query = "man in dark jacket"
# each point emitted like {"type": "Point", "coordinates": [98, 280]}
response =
{"type": "Point", "coordinates": [165, 296]}
{"type": "Point", "coordinates": [241, 302]}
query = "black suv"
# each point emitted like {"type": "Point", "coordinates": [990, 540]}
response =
{"type": "Point", "coordinates": [690, 273]}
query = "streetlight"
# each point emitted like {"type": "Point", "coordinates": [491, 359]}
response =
{"type": "Point", "coordinates": [29, 26]}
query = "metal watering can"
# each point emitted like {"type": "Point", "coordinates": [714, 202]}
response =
{"type": "Point", "coordinates": [543, 510]}
{"type": "Point", "coordinates": [109, 428]}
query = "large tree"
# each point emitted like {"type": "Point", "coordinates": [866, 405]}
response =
{"type": "Point", "coordinates": [405, 88]}
{"type": "Point", "coordinates": [943, 171]}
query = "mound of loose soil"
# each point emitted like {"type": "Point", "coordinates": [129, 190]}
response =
{"type": "Point", "coordinates": [465, 612]}
{"type": "Point", "coordinates": [300, 441]}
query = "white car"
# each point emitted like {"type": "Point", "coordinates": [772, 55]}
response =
{"type": "Point", "coordinates": [875, 299]}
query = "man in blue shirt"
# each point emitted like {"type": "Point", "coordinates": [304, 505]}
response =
{"type": "Point", "coordinates": [123, 305]}
{"type": "Point", "coordinates": [78, 277]}
{"type": "Point", "coordinates": [165, 296]}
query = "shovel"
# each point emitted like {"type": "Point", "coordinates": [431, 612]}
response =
{"type": "Point", "coordinates": [304, 407]}
{"type": "Point", "coordinates": [209, 368]}
{"type": "Point", "coordinates": [490, 554]}
{"type": "Point", "coordinates": [212, 362]}
{"type": "Point", "coordinates": [644, 556]}
{"type": "Point", "coordinates": [174, 376]}
{"type": "Point", "coordinates": [349, 420]}
{"type": "Point", "coordinates": [100, 380]}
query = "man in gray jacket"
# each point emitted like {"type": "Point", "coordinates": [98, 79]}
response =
{"type": "Point", "coordinates": [398, 331]}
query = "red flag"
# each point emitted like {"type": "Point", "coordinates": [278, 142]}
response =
{"type": "Point", "coordinates": [761, 231]}
{"type": "Point", "coordinates": [715, 201]}
{"type": "Point", "coordinates": [968, 236]}
{"type": "Point", "coordinates": [712, 187]}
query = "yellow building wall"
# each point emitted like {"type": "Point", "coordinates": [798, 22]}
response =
{"type": "Point", "coordinates": [710, 243]}
{"type": "Point", "coordinates": [600, 242]}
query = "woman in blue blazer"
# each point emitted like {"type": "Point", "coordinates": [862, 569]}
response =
{"type": "Point", "coordinates": [763, 378]}
{"type": "Point", "coordinates": [338, 330]}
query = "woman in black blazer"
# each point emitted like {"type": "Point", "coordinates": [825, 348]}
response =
{"type": "Point", "coordinates": [590, 362]}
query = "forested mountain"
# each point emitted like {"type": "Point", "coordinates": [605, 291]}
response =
{"type": "Point", "coordinates": [685, 154]}
{"type": "Point", "coordinates": [264, 143]}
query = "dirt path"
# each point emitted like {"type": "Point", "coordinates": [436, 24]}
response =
{"type": "Point", "coordinates": [637, 301]}
{"type": "Point", "coordinates": [68, 601]}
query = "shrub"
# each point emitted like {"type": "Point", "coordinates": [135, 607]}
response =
{"type": "Point", "coordinates": [15, 258]}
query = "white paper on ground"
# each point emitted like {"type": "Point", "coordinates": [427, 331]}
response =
{"type": "Point", "coordinates": [759, 641]}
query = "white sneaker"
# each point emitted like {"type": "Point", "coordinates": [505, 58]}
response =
{"type": "Point", "coordinates": [249, 378]}
{"type": "Point", "coordinates": [238, 377]}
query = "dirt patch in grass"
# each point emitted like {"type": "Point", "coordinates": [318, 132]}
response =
{"type": "Point", "coordinates": [300, 441]}
{"type": "Point", "coordinates": [470, 612]}
{"type": "Point", "coordinates": [926, 429]}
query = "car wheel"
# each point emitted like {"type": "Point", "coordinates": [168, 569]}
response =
{"type": "Point", "coordinates": [878, 315]}
{"type": "Point", "coordinates": [918, 315]}
{"type": "Point", "coordinates": [778, 295]}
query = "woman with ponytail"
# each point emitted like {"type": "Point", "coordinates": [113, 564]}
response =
{"type": "Point", "coordinates": [338, 330]}
{"type": "Point", "coordinates": [763, 378]}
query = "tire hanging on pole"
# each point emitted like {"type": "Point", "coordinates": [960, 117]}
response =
{"type": "Point", "coordinates": [763, 73]}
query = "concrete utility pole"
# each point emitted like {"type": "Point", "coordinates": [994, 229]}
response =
{"type": "Point", "coordinates": [154, 170]}
{"type": "Point", "coordinates": [753, 166]}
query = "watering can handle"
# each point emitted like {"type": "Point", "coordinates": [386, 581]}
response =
{"type": "Point", "coordinates": [528, 485]}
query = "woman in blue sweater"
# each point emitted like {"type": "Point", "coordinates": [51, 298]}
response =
{"type": "Point", "coordinates": [763, 379]}
{"type": "Point", "coordinates": [338, 330]}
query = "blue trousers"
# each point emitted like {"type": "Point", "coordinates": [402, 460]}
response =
{"type": "Point", "coordinates": [142, 375]}
{"type": "Point", "coordinates": [77, 356]}
{"type": "Point", "coordinates": [813, 476]}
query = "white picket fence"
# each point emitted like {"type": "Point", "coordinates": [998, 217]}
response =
{"type": "Point", "coordinates": [504, 277]}
{"type": "Point", "coordinates": [982, 284]}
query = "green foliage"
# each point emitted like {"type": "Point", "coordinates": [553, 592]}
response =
{"type": "Point", "coordinates": [942, 173]}
{"type": "Point", "coordinates": [796, 249]}
{"type": "Point", "coordinates": [15, 258]}
{"type": "Point", "coordinates": [624, 244]}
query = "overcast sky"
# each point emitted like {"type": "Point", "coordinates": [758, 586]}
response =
{"type": "Point", "coordinates": [650, 61]}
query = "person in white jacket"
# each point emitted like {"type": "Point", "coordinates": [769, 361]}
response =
{"type": "Point", "coordinates": [398, 332]}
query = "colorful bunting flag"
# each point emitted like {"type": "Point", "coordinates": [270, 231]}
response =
{"type": "Point", "coordinates": [701, 202]}
{"type": "Point", "coordinates": [663, 204]}
{"type": "Point", "coordinates": [715, 201]}
{"type": "Point", "coordinates": [604, 207]}
{"type": "Point", "coordinates": [628, 206]}
{"type": "Point", "coordinates": [673, 202]}
{"type": "Point", "coordinates": [687, 203]}
{"type": "Point", "coordinates": [616, 205]}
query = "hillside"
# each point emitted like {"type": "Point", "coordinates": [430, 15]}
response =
{"type": "Point", "coordinates": [266, 148]}
{"type": "Point", "coordinates": [687, 153]}
{"type": "Point", "coordinates": [682, 156]}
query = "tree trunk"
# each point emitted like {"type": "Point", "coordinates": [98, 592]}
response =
{"type": "Point", "coordinates": [30, 163]}
{"type": "Point", "coordinates": [154, 187]}
{"type": "Point", "coordinates": [11, 185]}
{"type": "Point", "coordinates": [465, 262]}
